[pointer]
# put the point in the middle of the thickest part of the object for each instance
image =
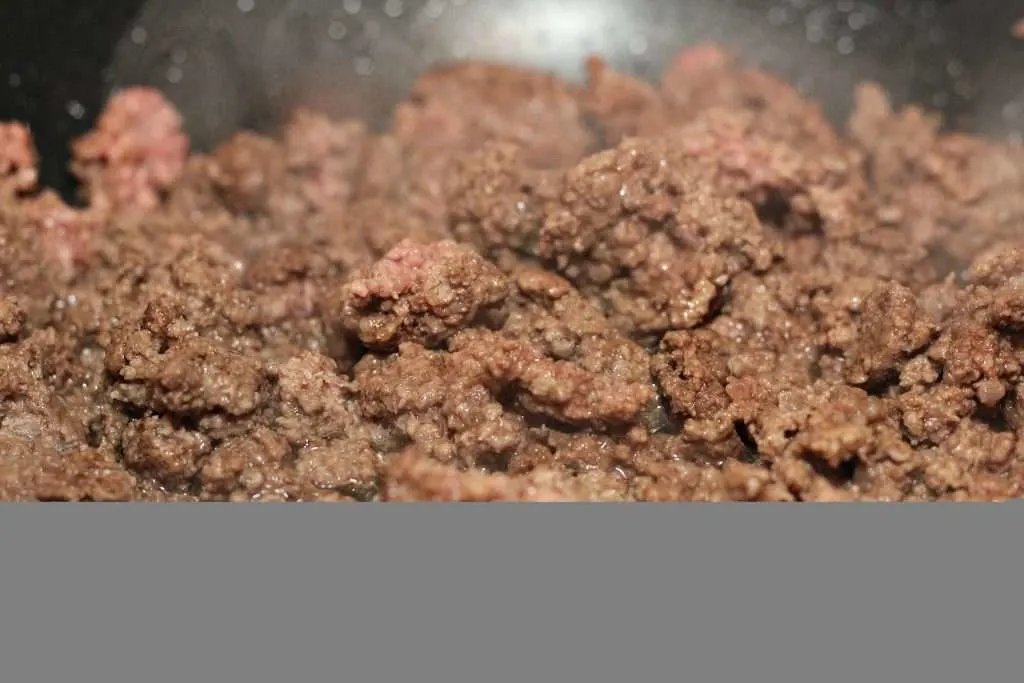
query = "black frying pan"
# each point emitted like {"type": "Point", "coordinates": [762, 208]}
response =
{"type": "Point", "coordinates": [230, 64]}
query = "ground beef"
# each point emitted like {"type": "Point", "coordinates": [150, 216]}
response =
{"type": "Point", "coordinates": [623, 106]}
{"type": "Point", "coordinates": [12, 318]}
{"type": "Point", "coordinates": [18, 161]}
{"type": "Point", "coordinates": [412, 477]}
{"type": "Point", "coordinates": [952, 194]}
{"type": "Point", "coordinates": [521, 290]}
{"type": "Point", "coordinates": [419, 293]}
{"type": "Point", "coordinates": [136, 152]}
{"type": "Point", "coordinates": [641, 233]}
{"type": "Point", "coordinates": [470, 103]}
{"type": "Point", "coordinates": [890, 328]}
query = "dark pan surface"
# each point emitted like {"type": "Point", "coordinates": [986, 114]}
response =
{"type": "Point", "coordinates": [243, 63]}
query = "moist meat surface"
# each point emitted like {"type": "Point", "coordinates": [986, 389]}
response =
{"type": "Point", "coordinates": [524, 290]}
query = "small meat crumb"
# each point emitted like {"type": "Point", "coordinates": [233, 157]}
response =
{"type": "Point", "coordinates": [18, 160]}
{"type": "Point", "coordinates": [419, 293]}
{"type": "Point", "coordinates": [136, 152]}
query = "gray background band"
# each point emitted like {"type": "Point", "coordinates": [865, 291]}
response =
{"type": "Point", "coordinates": [501, 593]}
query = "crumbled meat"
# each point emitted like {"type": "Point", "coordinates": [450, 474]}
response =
{"type": "Point", "coordinates": [193, 376]}
{"type": "Point", "coordinates": [469, 103]}
{"type": "Point", "coordinates": [12, 318]}
{"type": "Point", "coordinates": [498, 205]}
{"type": "Point", "coordinates": [323, 157]}
{"type": "Point", "coordinates": [419, 293]}
{"type": "Point", "coordinates": [412, 478]}
{"type": "Point", "coordinates": [564, 356]}
{"type": "Point", "coordinates": [18, 160]}
{"type": "Point", "coordinates": [247, 467]}
{"type": "Point", "coordinates": [136, 152]}
{"type": "Point", "coordinates": [246, 170]}
{"type": "Point", "coordinates": [623, 106]}
{"type": "Point", "coordinates": [156, 448]}
{"type": "Point", "coordinates": [65, 235]}
{"type": "Point", "coordinates": [891, 328]}
{"type": "Point", "coordinates": [29, 474]}
{"type": "Point", "coordinates": [692, 372]}
{"type": "Point", "coordinates": [441, 402]}
{"type": "Point", "coordinates": [706, 77]}
{"type": "Point", "coordinates": [638, 231]}
{"type": "Point", "coordinates": [520, 290]}
{"type": "Point", "coordinates": [951, 193]}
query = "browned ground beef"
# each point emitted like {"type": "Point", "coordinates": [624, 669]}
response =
{"type": "Point", "coordinates": [524, 290]}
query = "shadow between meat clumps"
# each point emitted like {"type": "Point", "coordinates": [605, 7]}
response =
{"type": "Point", "coordinates": [695, 289]}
